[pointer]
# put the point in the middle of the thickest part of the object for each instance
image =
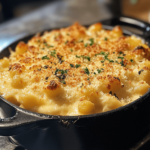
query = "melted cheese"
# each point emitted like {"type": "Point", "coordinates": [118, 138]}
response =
{"type": "Point", "coordinates": [76, 71]}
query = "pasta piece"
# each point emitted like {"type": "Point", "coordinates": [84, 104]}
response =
{"type": "Point", "coordinates": [141, 88]}
{"type": "Point", "coordinates": [95, 27]}
{"type": "Point", "coordinates": [18, 82]}
{"type": "Point", "coordinates": [21, 48]}
{"type": "Point", "coordinates": [4, 62]}
{"type": "Point", "coordinates": [85, 107]}
{"type": "Point", "coordinates": [29, 101]}
{"type": "Point", "coordinates": [12, 98]}
{"type": "Point", "coordinates": [110, 102]}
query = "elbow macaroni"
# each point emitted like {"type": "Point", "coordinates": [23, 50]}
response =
{"type": "Point", "coordinates": [76, 71]}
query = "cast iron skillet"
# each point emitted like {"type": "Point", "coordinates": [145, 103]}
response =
{"type": "Point", "coordinates": [112, 129]}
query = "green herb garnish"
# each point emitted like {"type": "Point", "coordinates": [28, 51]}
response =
{"type": "Point", "coordinates": [100, 70]}
{"type": "Point", "coordinates": [120, 57]}
{"type": "Point", "coordinates": [105, 39]}
{"type": "Point", "coordinates": [78, 56]}
{"type": "Point", "coordinates": [51, 46]}
{"type": "Point", "coordinates": [45, 44]}
{"type": "Point", "coordinates": [131, 60]}
{"type": "Point", "coordinates": [71, 65]}
{"type": "Point", "coordinates": [53, 53]}
{"type": "Point", "coordinates": [64, 82]}
{"type": "Point", "coordinates": [46, 66]}
{"type": "Point", "coordinates": [61, 71]}
{"type": "Point", "coordinates": [106, 55]}
{"type": "Point", "coordinates": [45, 57]}
{"type": "Point", "coordinates": [101, 53]}
{"type": "Point", "coordinates": [92, 41]}
{"type": "Point", "coordinates": [66, 42]}
{"type": "Point", "coordinates": [122, 63]}
{"type": "Point", "coordinates": [71, 50]}
{"type": "Point", "coordinates": [120, 52]}
{"type": "Point", "coordinates": [81, 41]}
{"type": "Point", "coordinates": [110, 60]}
{"type": "Point", "coordinates": [87, 71]}
{"type": "Point", "coordinates": [77, 65]}
{"type": "Point", "coordinates": [86, 57]}
{"type": "Point", "coordinates": [85, 45]}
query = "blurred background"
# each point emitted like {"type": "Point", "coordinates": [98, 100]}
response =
{"type": "Point", "coordinates": [19, 18]}
{"type": "Point", "coordinates": [140, 9]}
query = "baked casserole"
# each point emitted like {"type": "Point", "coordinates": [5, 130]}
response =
{"type": "Point", "coordinates": [76, 71]}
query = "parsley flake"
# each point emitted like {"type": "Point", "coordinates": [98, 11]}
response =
{"type": "Point", "coordinates": [102, 53]}
{"type": "Point", "coordinates": [45, 57]}
{"type": "Point", "coordinates": [111, 60]}
{"type": "Point", "coordinates": [66, 42]}
{"type": "Point", "coordinates": [122, 63]}
{"type": "Point", "coordinates": [120, 57]}
{"type": "Point", "coordinates": [92, 41]}
{"type": "Point", "coordinates": [86, 57]}
{"type": "Point", "coordinates": [131, 60]}
{"type": "Point", "coordinates": [53, 53]}
{"type": "Point", "coordinates": [78, 56]}
{"type": "Point", "coordinates": [77, 65]}
{"type": "Point", "coordinates": [120, 52]}
{"type": "Point", "coordinates": [45, 44]}
{"type": "Point", "coordinates": [86, 71]}
{"type": "Point", "coordinates": [85, 45]}
{"type": "Point", "coordinates": [46, 66]}
{"type": "Point", "coordinates": [80, 41]}
{"type": "Point", "coordinates": [105, 39]}
{"type": "Point", "coordinates": [64, 82]}
{"type": "Point", "coordinates": [71, 65]}
{"type": "Point", "coordinates": [100, 70]}
{"type": "Point", "coordinates": [51, 46]}
{"type": "Point", "coordinates": [61, 71]}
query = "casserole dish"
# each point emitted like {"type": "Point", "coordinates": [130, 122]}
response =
{"type": "Point", "coordinates": [108, 130]}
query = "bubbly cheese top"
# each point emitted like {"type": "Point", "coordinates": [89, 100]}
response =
{"type": "Point", "coordinates": [76, 71]}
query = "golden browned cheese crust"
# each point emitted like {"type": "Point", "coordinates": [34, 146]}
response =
{"type": "Point", "coordinates": [76, 71]}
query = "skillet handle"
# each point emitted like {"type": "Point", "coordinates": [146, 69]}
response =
{"type": "Point", "coordinates": [14, 120]}
{"type": "Point", "coordinates": [143, 28]}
